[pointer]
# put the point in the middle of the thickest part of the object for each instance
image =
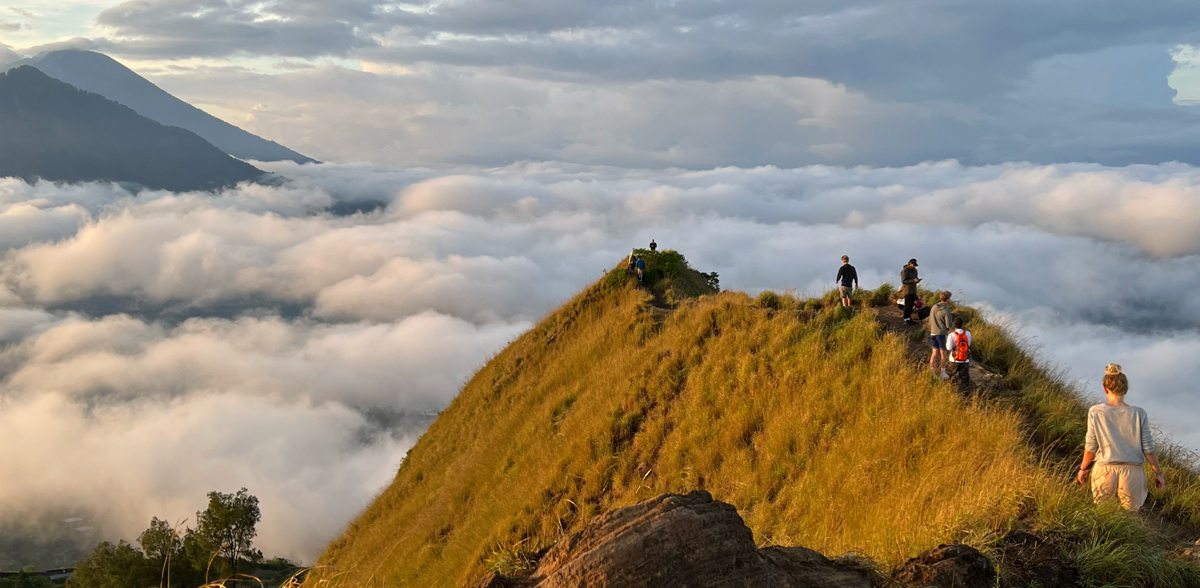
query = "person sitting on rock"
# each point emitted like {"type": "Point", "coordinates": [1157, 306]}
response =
{"type": "Point", "coordinates": [1118, 442]}
{"type": "Point", "coordinates": [959, 346]}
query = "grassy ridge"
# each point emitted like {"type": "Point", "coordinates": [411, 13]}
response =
{"type": "Point", "coordinates": [811, 419]}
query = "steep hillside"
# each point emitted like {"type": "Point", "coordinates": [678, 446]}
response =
{"type": "Point", "coordinates": [816, 422]}
{"type": "Point", "coordinates": [101, 74]}
{"type": "Point", "coordinates": [54, 131]}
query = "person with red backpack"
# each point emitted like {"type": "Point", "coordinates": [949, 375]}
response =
{"type": "Point", "coordinates": [958, 343]}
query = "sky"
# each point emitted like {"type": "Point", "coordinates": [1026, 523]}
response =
{"type": "Point", "coordinates": [1039, 159]}
{"type": "Point", "coordinates": [624, 82]}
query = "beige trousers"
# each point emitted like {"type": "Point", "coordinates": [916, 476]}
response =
{"type": "Point", "coordinates": [1127, 482]}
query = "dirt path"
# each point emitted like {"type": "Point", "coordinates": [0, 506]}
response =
{"type": "Point", "coordinates": [892, 319]}
{"type": "Point", "coordinates": [984, 384]}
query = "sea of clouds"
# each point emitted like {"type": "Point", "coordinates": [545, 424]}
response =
{"type": "Point", "coordinates": [156, 346]}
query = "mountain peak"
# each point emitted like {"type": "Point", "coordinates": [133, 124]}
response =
{"type": "Point", "coordinates": [57, 132]}
{"type": "Point", "coordinates": [100, 74]}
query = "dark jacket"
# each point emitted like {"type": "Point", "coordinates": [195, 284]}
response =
{"type": "Point", "coordinates": [847, 275]}
{"type": "Point", "coordinates": [908, 277]}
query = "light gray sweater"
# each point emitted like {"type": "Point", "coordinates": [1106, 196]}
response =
{"type": "Point", "coordinates": [1119, 434]}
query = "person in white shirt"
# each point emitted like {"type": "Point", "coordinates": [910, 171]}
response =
{"type": "Point", "coordinates": [958, 344]}
{"type": "Point", "coordinates": [1119, 442]}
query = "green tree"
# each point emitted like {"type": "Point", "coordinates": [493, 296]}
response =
{"type": "Point", "coordinates": [26, 579]}
{"type": "Point", "coordinates": [163, 547]}
{"type": "Point", "coordinates": [224, 533]}
{"type": "Point", "coordinates": [113, 566]}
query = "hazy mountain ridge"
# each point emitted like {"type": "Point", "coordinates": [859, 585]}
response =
{"type": "Point", "coordinates": [100, 74]}
{"type": "Point", "coordinates": [57, 132]}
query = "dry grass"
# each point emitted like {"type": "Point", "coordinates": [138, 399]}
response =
{"type": "Point", "coordinates": [809, 418]}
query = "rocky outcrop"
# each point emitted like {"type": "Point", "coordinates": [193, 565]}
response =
{"type": "Point", "coordinates": [1025, 559]}
{"type": "Point", "coordinates": [678, 541]}
{"type": "Point", "coordinates": [948, 566]}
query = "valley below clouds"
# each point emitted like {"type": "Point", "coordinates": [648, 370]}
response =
{"type": "Point", "coordinates": [155, 346]}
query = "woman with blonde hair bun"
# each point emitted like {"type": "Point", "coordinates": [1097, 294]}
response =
{"type": "Point", "coordinates": [1119, 441]}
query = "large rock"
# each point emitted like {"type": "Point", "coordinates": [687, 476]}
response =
{"type": "Point", "coordinates": [675, 541]}
{"type": "Point", "coordinates": [1028, 560]}
{"type": "Point", "coordinates": [948, 566]}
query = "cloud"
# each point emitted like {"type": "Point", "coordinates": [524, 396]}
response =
{"type": "Point", "coordinates": [296, 28]}
{"type": "Point", "coordinates": [918, 50]}
{"type": "Point", "coordinates": [407, 364]}
{"type": "Point", "coordinates": [1160, 365]}
{"type": "Point", "coordinates": [134, 419]}
{"type": "Point", "coordinates": [484, 118]}
{"type": "Point", "coordinates": [128, 462]}
{"type": "Point", "coordinates": [7, 55]}
{"type": "Point", "coordinates": [447, 115]}
{"type": "Point", "coordinates": [469, 245]}
{"type": "Point", "coordinates": [871, 82]}
{"type": "Point", "coordinates": [207, 342]}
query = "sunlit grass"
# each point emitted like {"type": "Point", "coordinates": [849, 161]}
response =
{"type": "Point", "coordinates": [809, 418]}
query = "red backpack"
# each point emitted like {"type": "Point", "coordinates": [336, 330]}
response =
{"type": "Point", "coordinates": [962, 347]}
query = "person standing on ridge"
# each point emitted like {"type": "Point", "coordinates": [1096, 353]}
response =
{"type": "Point", "coordinates": [1118, 442]}
{"type": "Point", "coordinates": [632, 261]}
{"type": "Point", "coordinates": [941, 321]}
{"type": "Point", "coordinates": [959, 346]}
{"type": "Point", "coordinates": [653, 245]}
{"type": "Point", "coordinates": [908, 282]}
{"type": "Point", "coordinates": [641, 267]}
{"type": "Point", "coordinates": [847, 279]}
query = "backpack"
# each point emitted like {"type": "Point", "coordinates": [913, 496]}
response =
{"type": "Point", "coordinates": [962, 347]}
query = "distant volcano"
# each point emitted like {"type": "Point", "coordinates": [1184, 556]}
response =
{"type": "Point", "coordinates": [101, 74]}
{"type": "Point", "coordinates": [54, 131]}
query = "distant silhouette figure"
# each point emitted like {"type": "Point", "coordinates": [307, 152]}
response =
{"type": "Point", "coordinates": [653, 245]}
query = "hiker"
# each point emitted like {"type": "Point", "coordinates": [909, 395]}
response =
{"type": "Point", "coordinates": [909, 281]}
{"type": "Point", "coordinates": [653, 245]}
{"type": "Point", "coordinates": [941, 321]}
{"type": "Point", "coordinates": [641, 267]}
{"type": "Point", "coordinates": [847, 279]}
{"type": "Point", "coordinates": [1118, 442]}
{"type": "Point", "coordinates": [959, 346]}
{"type": "Point", "coordinates": [632, 261]}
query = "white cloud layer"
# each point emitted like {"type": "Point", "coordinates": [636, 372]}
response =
{"type": "Point", "coordinates": [157, 346]}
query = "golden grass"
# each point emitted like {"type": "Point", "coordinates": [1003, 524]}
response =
{"type": "Point", "coordinates": [808, 418]}
{"type": "Point", "coordinates": [813, 423]}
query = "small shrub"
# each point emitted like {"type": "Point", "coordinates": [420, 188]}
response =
{"type": "Point", "coordinates": [769, 299]}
